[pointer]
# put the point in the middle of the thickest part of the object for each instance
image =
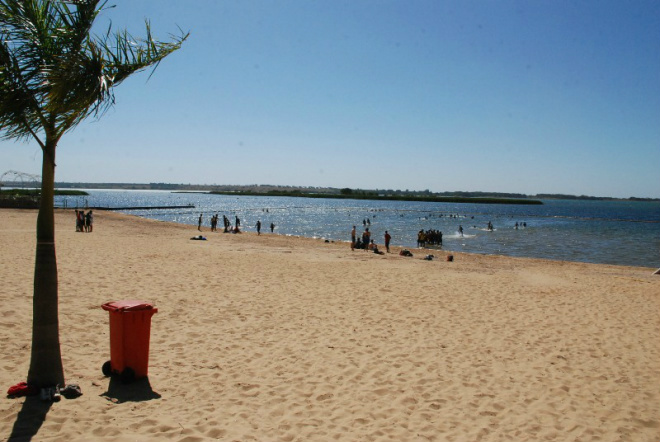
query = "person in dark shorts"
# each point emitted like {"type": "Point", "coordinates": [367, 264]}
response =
{"type": "Point", "coordinates": [89, 222]}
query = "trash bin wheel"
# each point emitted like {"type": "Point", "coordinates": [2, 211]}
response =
{"type": "Point", "coordinates": [127, 376]}
{"type": "Point", "coordinates": [107, 369]}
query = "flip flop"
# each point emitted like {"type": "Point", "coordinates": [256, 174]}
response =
{"type": "Point", "coordinates": [71, 391]}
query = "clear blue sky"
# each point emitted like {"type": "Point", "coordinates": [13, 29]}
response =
{"type": "Point", "coordinates": [504, 96]}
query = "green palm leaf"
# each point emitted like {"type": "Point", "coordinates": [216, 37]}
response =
{"type": "Point", "coordinates": [54, 73]}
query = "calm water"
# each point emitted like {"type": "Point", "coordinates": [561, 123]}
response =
{"type": "Point", "coordinates": [609, 232]}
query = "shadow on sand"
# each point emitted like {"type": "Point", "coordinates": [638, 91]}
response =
{"type": "Point", "coordinates": [29, 419]}
{"type": "Point", "coordinates": [137, 391]}
{"type": "Point", "coordinates": [33, 413]}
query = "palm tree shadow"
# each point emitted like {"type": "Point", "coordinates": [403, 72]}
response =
{"type": "Point", "coordinates": [137, 391]}
{"type": "Point", "coordinates": [29, 419]}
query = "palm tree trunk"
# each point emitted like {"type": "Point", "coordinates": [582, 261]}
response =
{"type": "Point", "coordinates": [46, 360]}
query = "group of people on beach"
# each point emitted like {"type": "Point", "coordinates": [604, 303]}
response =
{"type": "Point", "coordinates": [366, 243]}
{"type": "Point", "coordinates": [214, 223]}
{"type": "Point", "coordinates": [228, 227]}
{"type": "Point", "coordinates": [425, 238]}
{"type": "Point", "coordinates": [84, 221]}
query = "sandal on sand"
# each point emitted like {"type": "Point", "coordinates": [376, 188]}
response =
{"type": "Point", "coordinates": [55, 394]}
{"type": "Point", "coordinates": [71, 391]}
{"type": "Point", "coordinates": [50, 394]}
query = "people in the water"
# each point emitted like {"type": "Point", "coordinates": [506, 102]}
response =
{"type": "Point", "coordinates": [429, 237]}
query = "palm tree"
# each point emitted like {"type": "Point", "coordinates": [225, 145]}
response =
{"type": "Point", "coordinates": [53, 74]}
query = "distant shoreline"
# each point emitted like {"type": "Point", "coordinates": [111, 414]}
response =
{"type": "Point", "coordinates": [431, 199]}
{"type": "Point", "coordinates": [329, 192]}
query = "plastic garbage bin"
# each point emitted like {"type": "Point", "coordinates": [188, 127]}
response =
{"type": "Point", "coordinates": [130, 328]}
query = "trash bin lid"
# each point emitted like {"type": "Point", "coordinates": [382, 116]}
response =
{"type": "Point", "coordinates": [127, 306]}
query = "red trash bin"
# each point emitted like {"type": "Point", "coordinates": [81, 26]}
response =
{"type": "Point", "coordinates": [130, 328]}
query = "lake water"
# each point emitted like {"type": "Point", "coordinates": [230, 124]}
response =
{"type": "Point", "coordinates": [608, 232]}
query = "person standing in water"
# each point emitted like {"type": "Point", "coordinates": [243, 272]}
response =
{"type": "Point", "coordinates": [460, 230]}
{"type": "Point", "coordinates": [259, 227]}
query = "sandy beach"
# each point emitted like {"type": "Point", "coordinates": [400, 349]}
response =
{"type": "Point", "coordinates": [274, 338]}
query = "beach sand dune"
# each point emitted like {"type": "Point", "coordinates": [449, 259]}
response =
{"type": "Point", "coordinates": [273, 338]}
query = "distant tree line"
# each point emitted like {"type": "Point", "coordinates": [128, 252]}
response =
{"type": "Point", "coordinates": [273, 190]}
{"type": "Point", "coordinates": [561, 196]}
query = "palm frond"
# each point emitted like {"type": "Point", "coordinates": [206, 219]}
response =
{"type": "Point", "coordinates": [20, 111]}
{"type": "Point", "coordinates": [129, 55]}
{"type": "Point", "coordinates": [54, 73]}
